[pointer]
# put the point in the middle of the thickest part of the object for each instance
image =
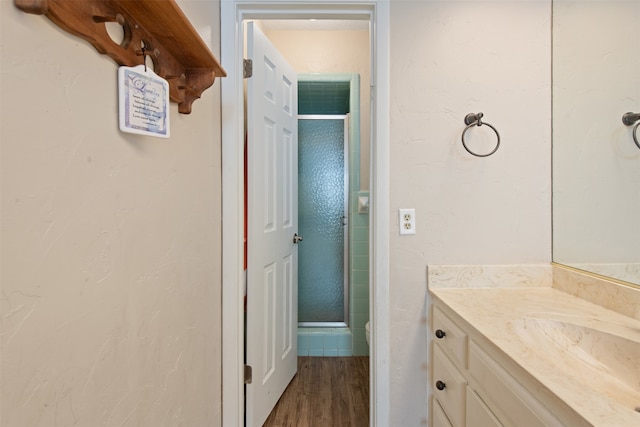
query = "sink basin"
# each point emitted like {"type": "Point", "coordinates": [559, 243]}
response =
{"type": "Point", "coordinates": [600, 355]}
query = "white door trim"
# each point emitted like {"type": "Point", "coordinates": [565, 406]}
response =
{"type": "Point", "coordinates": [232, 14]}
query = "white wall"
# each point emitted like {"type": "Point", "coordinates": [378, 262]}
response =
{"type": "Point", "coordinates": [110, 263]}
{"type": "Point", "coordinates": [450, 58]}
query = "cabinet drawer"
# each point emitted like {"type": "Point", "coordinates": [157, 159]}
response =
{"type": "Point", "coordinates": [478, 415]}
{"type": "Point", "coordinates": [452, 397]}
{"type": "Point", "coordinates": [439, 417]}
{"type": "Point", "coordinates": [454, 340]}
{"type": "Point", "coordinates": [510, 401]}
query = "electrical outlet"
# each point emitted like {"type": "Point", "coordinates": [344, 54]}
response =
{"type": "Point", "coordinates": [407, 221]}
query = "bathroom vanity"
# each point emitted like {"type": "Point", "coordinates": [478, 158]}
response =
{"type": "Point", "coordinates": [531, 355]}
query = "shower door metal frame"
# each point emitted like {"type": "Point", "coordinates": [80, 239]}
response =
{"type": "Point", "coordinates": [345, 220]}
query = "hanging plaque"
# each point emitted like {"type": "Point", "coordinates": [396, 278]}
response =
{"type": "Point", "coordinates": [143, 102]}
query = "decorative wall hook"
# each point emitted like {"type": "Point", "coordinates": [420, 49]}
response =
{"type": "Point", "coordinates": [160, 27]}
{"type": "Point", "coordinates": [143, 52]}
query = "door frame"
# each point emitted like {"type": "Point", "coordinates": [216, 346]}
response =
{"type": "Point", "coordinates": [232, 14]}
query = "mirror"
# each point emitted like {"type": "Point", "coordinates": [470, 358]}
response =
{"type": "Point", "coordinates": [596, 163]}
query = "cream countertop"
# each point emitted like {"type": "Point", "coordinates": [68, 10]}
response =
{"type": "Point", "coordinates": [514, 320]}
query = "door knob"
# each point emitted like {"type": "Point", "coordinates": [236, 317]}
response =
{"type": "Point", "coordinates": [297, 238]}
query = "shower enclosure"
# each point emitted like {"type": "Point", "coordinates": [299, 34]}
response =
{"type": "Point", "coordinates": [323, 212]}
{"type": "Point", "coordinates": [333, 304]}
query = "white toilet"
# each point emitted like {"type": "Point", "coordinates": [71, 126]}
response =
{"type": "Point", "coordinates": [367, 332]}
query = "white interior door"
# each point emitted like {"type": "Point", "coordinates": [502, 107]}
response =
{"type": "Point", "coordinates": [272, 270]}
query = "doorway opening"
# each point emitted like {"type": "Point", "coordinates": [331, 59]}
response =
{"type": "Point", "coordinates": [233, 13]}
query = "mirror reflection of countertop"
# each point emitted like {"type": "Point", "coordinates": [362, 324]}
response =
{"type": "Point", "coordinates": [585, 354]}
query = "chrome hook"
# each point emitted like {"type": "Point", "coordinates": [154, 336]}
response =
{"type": "Point", "coordinates": [472, 118]}
{"type": "Point", "coordinates": [629, 119]}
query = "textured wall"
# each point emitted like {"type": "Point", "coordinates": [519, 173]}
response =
{"type": "Point", "coordinates": [450, 58]}
{"type": "Point", "coordinates": [110, 263]}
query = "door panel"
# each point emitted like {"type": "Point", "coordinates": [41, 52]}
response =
{"type": "Point", "coordinates": [272, 268]}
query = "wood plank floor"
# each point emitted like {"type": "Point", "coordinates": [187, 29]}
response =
{"type": "Point", "coordinates": [326, 391]}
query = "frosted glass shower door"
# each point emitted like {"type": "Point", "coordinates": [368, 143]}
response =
{"type": "Point", "coordinates": [322, 220]}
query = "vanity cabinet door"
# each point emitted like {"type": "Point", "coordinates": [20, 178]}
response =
{"type": "Point", "coordinates": [449, 387]}
{"type": "Point", "coordinates": [478, 415]}
{"type": "Point", "coordinates": [506, 397]}
{"type": "Point", "coordinates": [439, 417]}
{"type": "Point", "coordinates": [448, 335]}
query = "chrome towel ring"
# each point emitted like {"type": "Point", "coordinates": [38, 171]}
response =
{"type": "Point", "coordinates": [629, 119]}
{"type": "Point", "coordinates": [471, 120]}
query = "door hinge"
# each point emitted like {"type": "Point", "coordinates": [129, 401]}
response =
{"type": "Point", "coordinates": [248, 374]}
{"type": "Point", "coordinates": [247, 68]}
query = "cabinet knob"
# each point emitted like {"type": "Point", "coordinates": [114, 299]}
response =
{"type": "Point", "coordinates": [440, 385]}
{"type": "Point", "coordinates": [440, 333]}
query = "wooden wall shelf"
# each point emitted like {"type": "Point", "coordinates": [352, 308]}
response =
{"type": "Point", "coordinates": [178, 53]}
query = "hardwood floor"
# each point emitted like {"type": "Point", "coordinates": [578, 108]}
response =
{"type": "Point", "coordinates": [326, 391]}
